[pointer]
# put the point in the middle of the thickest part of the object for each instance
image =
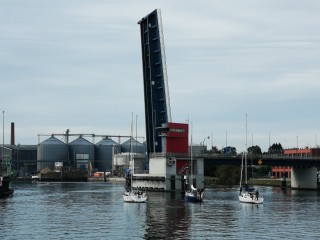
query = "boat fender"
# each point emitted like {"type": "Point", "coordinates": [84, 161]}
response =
{"type": "Point", "coordinates": [170, 161]}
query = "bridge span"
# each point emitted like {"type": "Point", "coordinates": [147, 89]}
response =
{"type": "Point", "coordinates": [266, 160]}
{"type": "Point", "coordinates": [303, 172]}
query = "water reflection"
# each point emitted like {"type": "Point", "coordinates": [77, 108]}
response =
{"type": "Point", "coordinates": [167, 217]}
{"type": "Point", "coordinates": [97, 211]}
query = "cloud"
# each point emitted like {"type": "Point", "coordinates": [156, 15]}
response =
{"type": "Point", "coordinates": [77, 65]}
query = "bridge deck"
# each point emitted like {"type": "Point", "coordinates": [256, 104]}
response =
{"type": "Point", "coordinates": [263, 160]}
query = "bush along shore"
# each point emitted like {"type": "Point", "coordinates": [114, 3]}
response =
{"type": "Point", "coordinates": [212, 181]}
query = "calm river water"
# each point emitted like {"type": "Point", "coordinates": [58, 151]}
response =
{"type": "Point", "coordinates": [97, 211]}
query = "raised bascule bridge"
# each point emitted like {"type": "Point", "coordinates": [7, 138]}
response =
{"type": "Point", "coordinates": [168, 158]}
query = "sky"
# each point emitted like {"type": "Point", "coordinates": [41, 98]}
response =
{"type": "Point", "coordinates": [77, 65]}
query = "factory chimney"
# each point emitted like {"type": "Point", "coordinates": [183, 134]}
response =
{"type": "Point", "coordinates": [12, 140]}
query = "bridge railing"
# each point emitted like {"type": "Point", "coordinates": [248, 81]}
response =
{"type": "Point", "coordinates": [262, 156]}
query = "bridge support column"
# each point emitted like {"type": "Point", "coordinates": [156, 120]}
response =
{"type": "Point", "coordinates": [304, 178]}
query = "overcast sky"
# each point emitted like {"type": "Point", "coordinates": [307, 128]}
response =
{"type": "Point", "coordinates": [77, 65]}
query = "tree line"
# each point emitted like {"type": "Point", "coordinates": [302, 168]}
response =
{"type": "Point", "coordinates": [230, 175]}
{"type": "Point", "coordinates": [275, 148]}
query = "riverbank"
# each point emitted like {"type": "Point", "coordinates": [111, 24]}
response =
{"type": "Point", "coordinates": [269, 182]}
{"type": "Point", "coordinates": [211, 181]}
{"type": "Point", "coordinates": [90, 179]}
{"type": "Point", "coordinates": [208, 181]}
{"type": "Point", "coordinates": [107, 179]}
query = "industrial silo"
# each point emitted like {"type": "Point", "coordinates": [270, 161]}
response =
{"type": "Point", "coordinates": [105, 150]}
{"type": "Point", "coordinates": [137, 147]}
{"type": "Point", "coordinates": [50, 151]}
{"type": "Point", "coordinates": [81, 153]}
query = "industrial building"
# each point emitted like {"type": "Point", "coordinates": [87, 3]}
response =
{"type": "Point", "coordinates": [83, 154]}
{"type": "Point", "coordinates": [79, 153]}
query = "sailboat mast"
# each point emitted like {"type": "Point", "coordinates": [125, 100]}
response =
{"type": "Point", "coordinates": [191, 156]}
{"type": "Point", "coordinates": [245, 154]}
{"type": "Point", "coordinates": [191, 172]}
{"type": "Point", "coordinates": [130, 154]}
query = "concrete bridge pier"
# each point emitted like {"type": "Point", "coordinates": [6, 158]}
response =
{"type": "Point", "coordinates": [304, 178]}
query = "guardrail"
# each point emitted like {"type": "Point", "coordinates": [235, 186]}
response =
{"type": "Point", "coordinates": [261, 156]}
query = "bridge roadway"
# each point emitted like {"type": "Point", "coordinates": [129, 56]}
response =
{"type": "Point", "coordinates": [210, 160]}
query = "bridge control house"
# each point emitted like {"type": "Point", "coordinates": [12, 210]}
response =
{"type": "Point", "coordinates": [169, 167]}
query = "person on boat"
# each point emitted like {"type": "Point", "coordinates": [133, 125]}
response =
{"type": "Point", "coordinates": [240, 190]}
{"type": "Point", "coordinates": [251, 195]}
{"type": "Point", "coordinates": [257, 194]}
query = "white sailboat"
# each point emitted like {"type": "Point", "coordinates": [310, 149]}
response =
{"type": "Point", "coordinates": [134, 196]}
{"type": "Point", "coordinates": [131, 195]}
{"type": "Point", "coordinates": [249, 194]}
{"type": "Point", "coordinates": [193, 194]}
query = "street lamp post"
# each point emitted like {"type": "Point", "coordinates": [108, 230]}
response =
{"type": "Point", "coordinates": [297, 146]}
{"type": "Point", "coordinates": [204, 141]}
{"type": "Point", "coordinates": [2, 154]}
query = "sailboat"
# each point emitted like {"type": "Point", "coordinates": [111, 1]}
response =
{"type": "Point", "coordinates": [134, 196]}
{"type": "Point", "coordinates": [193, 194]}
{"type": "Point", "coordinates": [131, 195]}
{"type": "Point", "coordinates": [249, 194]}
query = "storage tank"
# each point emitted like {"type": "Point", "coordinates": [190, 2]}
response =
{"type": "Point", "coordinates": [137, 147]}
{"type": "Point", "coordinates": [121, 161]}
{"type": "Point", "coordinates": [50, 151]}
{"type": "Point", "coordinates": [105, 149]}
{"type": "Point", "coordinates": [81, 152]}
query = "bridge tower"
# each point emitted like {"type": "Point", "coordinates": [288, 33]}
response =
{"type": "Point", "coordinates": [155, 81]}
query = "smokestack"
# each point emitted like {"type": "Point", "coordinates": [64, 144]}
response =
{"type": "Point", "coordinates": [12, 141]}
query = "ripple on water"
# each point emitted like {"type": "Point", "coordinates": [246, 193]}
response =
{"type": "Point", "coordinates": [97, 211]}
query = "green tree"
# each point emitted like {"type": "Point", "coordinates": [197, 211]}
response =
{"type": "Point", "coordinates": [254, 150]}
{"type": "Point", "coordinates": [228, 175]}
{"type": "Point", "coordinates": [231, 151]}
{"type": "Point", "coordinates": [214, 150]}
{"type": "Point", "coordinates": [263, 171]}
{"type": "Point", "coordinates": [275, 148]}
